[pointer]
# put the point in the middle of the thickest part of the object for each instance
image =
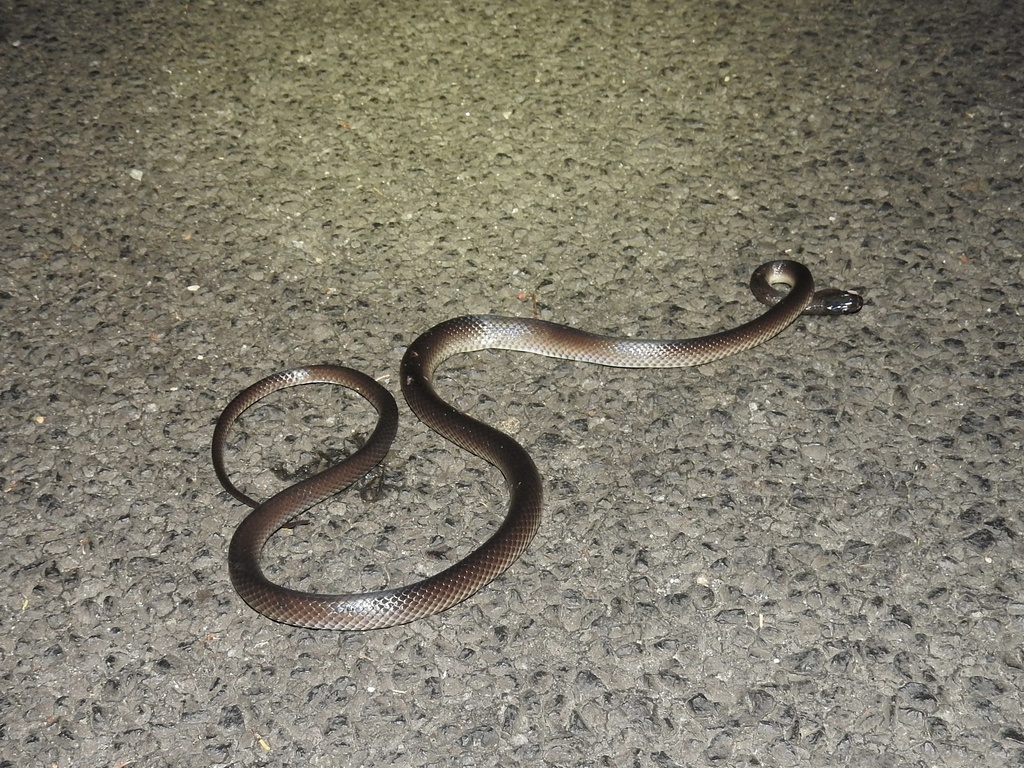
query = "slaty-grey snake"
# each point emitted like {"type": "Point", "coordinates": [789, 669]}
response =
{"type": "Point", "coordinates": [466, 334]}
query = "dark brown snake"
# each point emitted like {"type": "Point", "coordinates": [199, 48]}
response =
{"type": "Point", "coordinates": [437, 593]}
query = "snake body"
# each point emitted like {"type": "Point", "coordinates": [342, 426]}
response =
{"type": "Point", "coordinates": [437, 593]}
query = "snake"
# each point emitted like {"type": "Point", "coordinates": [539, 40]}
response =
{"type": "Point", "coordinates": [786, 287]}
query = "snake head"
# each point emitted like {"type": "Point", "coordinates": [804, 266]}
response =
{"type": "Point", "coordinates": [834, 301]}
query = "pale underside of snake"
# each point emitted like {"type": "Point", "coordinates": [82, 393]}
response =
{"type": "Point", "coordinates": [454, 584]}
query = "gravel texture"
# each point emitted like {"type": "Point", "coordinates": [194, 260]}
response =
{"type": "Point", "coordinates": [809, 554]}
